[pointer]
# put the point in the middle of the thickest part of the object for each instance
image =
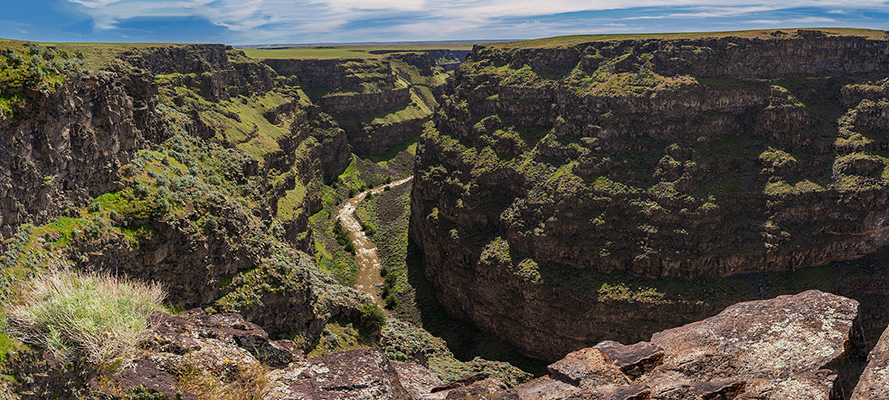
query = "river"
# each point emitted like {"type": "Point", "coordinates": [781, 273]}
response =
{"type": "Point", "coordinates": [368, 280]}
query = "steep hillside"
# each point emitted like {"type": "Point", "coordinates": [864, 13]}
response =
{"type": "Point", "coordinates": [378, 102]}
{"type": "Point", "coordinates": [561, 175]}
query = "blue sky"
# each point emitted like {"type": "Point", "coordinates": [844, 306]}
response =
{"type": "Point", "coordinates": [344, 21]}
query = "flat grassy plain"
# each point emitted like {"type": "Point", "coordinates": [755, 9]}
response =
{"type": "Point", "coordinates": [349, 51]}
{"type": "Point", "coordinates": [751, 34]}
{"type": "Point", "coordinates": [95, 55]}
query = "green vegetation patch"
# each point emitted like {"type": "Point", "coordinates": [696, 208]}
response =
{"type": "Point", "coordinates": [31, 66]}
{"type": "Point", "coordinates": [241, 121]}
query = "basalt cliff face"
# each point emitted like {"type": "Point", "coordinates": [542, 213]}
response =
{"type": "Point", "coordinates": [65, 146]}
{"type": "Point", "coordinates": [564, 193]}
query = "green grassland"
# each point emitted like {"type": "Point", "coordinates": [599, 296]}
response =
{"type": "Point", "coordinates": [95, 55]}
{"type": "Point", "coordinates": [749, 34]}
{"type": "Point", "coordinates": [349, 51]}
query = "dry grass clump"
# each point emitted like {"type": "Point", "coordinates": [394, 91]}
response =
{"type": "Point", "coordinates": [93, 317]}
{"type": "Point", "coordinates": [251, 382]}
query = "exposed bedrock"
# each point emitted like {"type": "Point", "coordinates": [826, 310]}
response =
{"type": "Point", "coordinates": [787, 348]}
{"type": "Point", "coordinates": [66, 146]}
{"type": "Point", "coordinates": [215, 71]}
{"type": "Point", "coordinates": [614, 189]}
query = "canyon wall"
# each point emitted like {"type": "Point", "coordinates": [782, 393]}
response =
{"type": "Point", "coordinates": [568, 193]}
{"type": "Point", "coordinates": [64, 146]}
{"type": "Point", "coordinates": [379, 103]}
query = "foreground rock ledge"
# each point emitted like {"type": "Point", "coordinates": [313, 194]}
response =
{"type": "Point", "coordinates": [784, 348]}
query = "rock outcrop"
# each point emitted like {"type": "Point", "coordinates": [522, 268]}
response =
{"type": "Point", "coordinates": [874, 381]}
{"type": "Point", "coordinates": [378, 102]}
{"type": "Point", "coordinates": [229, 349]}
{"type": "Point", "coordinates": [785, 348]}
{"type": "Point", "coordinates": [562, 175]}
{"type": "Point", "coordinates": [216, 71]}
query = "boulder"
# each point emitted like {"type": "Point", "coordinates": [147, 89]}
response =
{"type": "Point", "coordinates": [353, 374]}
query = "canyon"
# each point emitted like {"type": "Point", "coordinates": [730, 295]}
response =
{"type": "Point", "coordinates": [717, 202]}
{"type": "Point", "coordinates": [612, 189]}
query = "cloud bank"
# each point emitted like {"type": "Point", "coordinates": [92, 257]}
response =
{"type": "Point", "coordinates": [280, 21]}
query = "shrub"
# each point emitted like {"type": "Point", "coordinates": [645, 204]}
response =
{"type": "Point", "coordinates": [94, 317]}
{"type": "Point", "coordinates": [389, 283]}
{"type": "Point", "coordinates": [392, 302]}
{"type": "Point", "coordinates": [342, 237]}
{"type": "Point", "coordinates": [372, 316]}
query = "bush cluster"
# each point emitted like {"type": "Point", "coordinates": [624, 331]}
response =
{"type": "Point", "coordinates": [372, 316]}
{"type": "Point", "coordinates": [342, 237]}
{"type": "Point", "coordinates": [388, 292]}
{"type": "Point", "coordinates": [36, 67]}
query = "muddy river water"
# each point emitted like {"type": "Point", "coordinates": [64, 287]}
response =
{"type": "Point", "coordinates": [368, 280]}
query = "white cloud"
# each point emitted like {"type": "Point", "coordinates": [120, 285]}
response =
{"type": "Point", "coordinates": [810, 20]}
{"type": "Point", "coordinates": [283, 20]}
{"type": "Point", "coordinates": [402, 5]}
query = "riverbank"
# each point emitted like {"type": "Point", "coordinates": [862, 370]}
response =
{"type": "Point", "coordinates": [368, 278]}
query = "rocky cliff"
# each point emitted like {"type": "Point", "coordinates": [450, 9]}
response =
{"type": "Point", "coordinates": [215, 71]}
{"type": "Point", "coordinates": [378, 102]}
{"type": "Point", "coordinates": [239, 101]}
{"type": "Point", "coordinates": [874, 382]}
{"type": "Point", "coordinates": [560, 176]}
{"type": "Point", "coordinates": [62, 143]}
{"type": "Point", "coordinates": [790, 347]}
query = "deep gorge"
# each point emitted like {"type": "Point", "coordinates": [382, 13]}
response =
{"type": "Point", "coordinates": [564, 194]}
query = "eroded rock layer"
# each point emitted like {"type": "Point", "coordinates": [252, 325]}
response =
{"type": "Point", "coordinates": [66, 146]}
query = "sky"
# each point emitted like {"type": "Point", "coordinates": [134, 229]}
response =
{"type": "Point", "coordinates": [245, 22]}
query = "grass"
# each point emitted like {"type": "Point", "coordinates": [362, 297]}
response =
{"type": "Point", "coordinates": [348, 51]}
{"type": "Point", "coordinates": [251, 382]}
{"type": "Point", "coordinates": [330, 256]}
{"type": "Point", "coordinates": [748, 34]}
{"type": "Point", "coordinates": [84, 316]}
{"type": "Point", "coordinates": [339, 337]}
{"type": "Point", "coordinates": [30, 66]}
{"type": "Point", "coordinates": [95, 55]}
{"type": "Point", "coordinates": [291, 205]}
{"type": "Point", "coordinates": [240, 121]}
